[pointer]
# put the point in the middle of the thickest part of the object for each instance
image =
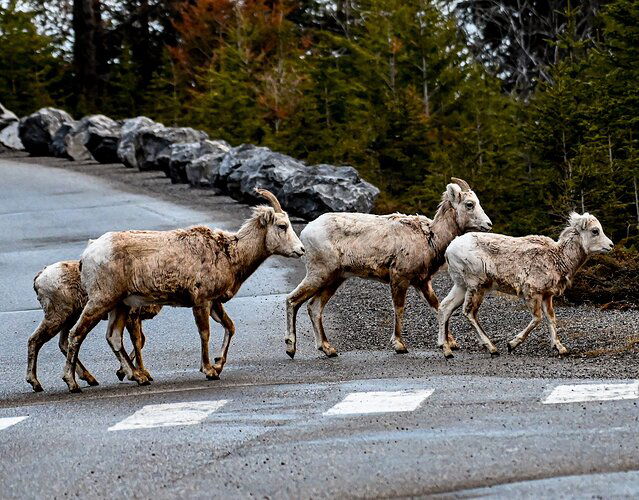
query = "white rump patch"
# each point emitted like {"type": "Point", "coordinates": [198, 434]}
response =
{"type": "Point", "coordinates": [6, 422]}
{"type": "Point", "coordinates": [380, 402]}
{"type": "Point", "coordinates": [168, 415]}
{"type": "Point", "coordinates": [592, 392]}
{"type": "Point", "coordinates": [99, 251]}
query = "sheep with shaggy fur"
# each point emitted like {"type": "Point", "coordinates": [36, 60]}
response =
{"type": "Point", "coordinates": [534, 267]}
{"type": "Point", "coordinates": [397, 249]}
{"type": "Point", "coordinates": [195, 267]}
{"type": "Point", "coordinates": [62, 297]}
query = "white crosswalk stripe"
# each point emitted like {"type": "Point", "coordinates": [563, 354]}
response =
{"type": "Point", "coordinates": [169, 414]}
{"type": "Point", "coordinates": [379, 402]}
{"type": "Point", "coordinates": [592, 392]}
{"type": "Point", "coordinates": [9, 421]}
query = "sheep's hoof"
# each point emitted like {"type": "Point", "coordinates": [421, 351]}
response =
{"type": "Point", "coordinates": [291, 354]}
{"type": "Point", "coordinates": [455, 347]}
{"type": "Point", "coordinates": [494, 354]}
{"type": "Point", "coordinates": [510, 348]}
{"type": "Point", "coordinates": [92, 381]}
{"type": "Point", "coordinates": [120, 374]}
{"type": "Point", "coordinates": [401, 350]}
{"type": "Point", "coordinates": [75, 390]}
{"type": "Point", "coordinates": [562, 353]}
{"type": "Point", "coordinates": [331, 354]}
{"type": "Point", "coordinates": [37, 387]}
{"type": "Point", "coordinates": [213, 377]}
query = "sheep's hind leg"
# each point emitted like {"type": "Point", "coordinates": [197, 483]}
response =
{"type": "Point", "coordinates": [449, 305]}
{"type": "Point", "coordinates": [534, 303]}
{"type": "Point", "coordinates": [315, 310]}
{"type": "Point", "coordinates": [134, 327]}
{"type": "Point", "coordinates": [201, 315]}
{"type": "Point", "coordinates": [219, 314]}
{"type": "Point", "coordinates": [472, 302]}
{"type": "Point", "coordinates": [549, 312]}
{"type": "Point", "coordinates": [398, 291]}
{"type": "Point", "coordinates": [63, 344]}
{"type": "Point", "coordinates": [304, 291]}
{"type": "Point", "coordinates": [45, 331]}
{"type": "Point", "coordinates": [117, 322]}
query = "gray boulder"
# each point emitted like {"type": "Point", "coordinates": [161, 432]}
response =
{"type": "Point", "coordinates": [6, 117]}
{"type": "Point", "coordinates": [153, 145]}
{"type": "Point", "coordinates": [37, 129]}
{"type": "Point", "coordinates": [232, 161]}
{"type": "Point", "coordinates": [183, 154]}
{"type": "Point", "coordinates": [126, 144]}
{"type": "Point", "coordinates": [103, 136]}
{"type": "Point", "coordinates": [77, 138]}
{"type": "Point", "coordinates": [58, 146]}
{"type": "Point", "coordinates": [10, 138]}
{"type": "Point", "coordinates": [324, 188]}
{"type": "Point", "coordinates": [262, 169]}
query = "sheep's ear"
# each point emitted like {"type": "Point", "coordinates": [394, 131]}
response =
{"type": "Point", "coordinates": [579, 222]}
{"type": "Point", "coordinates": [267, 216]}
{"type": "Point", "coordinates": [454, 193]}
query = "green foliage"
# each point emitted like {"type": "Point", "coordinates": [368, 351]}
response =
{"type": "Point", "coordinates": [29, 72]}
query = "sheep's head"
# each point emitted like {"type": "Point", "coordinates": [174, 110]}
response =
{"type": "Point", "coordinates": [280, 237]}
{"type": "Point", "coordinates": [469, 214]}
{"type": "Point", "coordinates": [591, 235]}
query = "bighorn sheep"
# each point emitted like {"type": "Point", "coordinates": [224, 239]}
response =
{"type": "Point", "coordinates": [195, 267]}
{"type": "Point", "coordinates": [535, 267]}
{"type": "Point", "coordinates": [62, 298]}
{"type": "Point", "coordinates": [397, 249]}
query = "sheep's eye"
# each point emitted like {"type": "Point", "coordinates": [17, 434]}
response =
{"type": "Point", "coordinates": [283, 227]}
{"type": "Point", "coordinates": [595, 232]}
{"type": "Point", "coordinates": [470, 205]}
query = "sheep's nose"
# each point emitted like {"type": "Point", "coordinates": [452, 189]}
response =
{"type": "Point", "coordinates": [302, 250]}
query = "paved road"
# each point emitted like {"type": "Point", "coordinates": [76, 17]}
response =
{"type": "Point", "coordinates": [365, 424]}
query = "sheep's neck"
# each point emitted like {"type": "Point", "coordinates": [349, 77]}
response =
{"type": "Point", "coordinates": [571, 255]}
{"type": "Point", "coordinates": [445, 230]}
{"type": "Point", "coordinates": [249, 255]}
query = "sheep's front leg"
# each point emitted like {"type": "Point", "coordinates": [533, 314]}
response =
{"type": "Point", "coordinates": [219, 314]}
{"type": "Point", "coordinates": [201, 314]}
{"type": "Point", "coordinates": [115, 330]}
{"type": "Point", "coordinates": [453, 300]}
{"type": "Point", "coordinates": [63, 344]}
{"type": "Point", "coordinates": [426, 289]}
{"type": "Point", "coordinates": [91, 315]}
{"type": "Point", "coordinates": [534, 304]}
{"type": "Point", "coordinates": [398, 291]}
{"type": "Point", "coordinates": [472, 302]}
{"type": "Point", "coordinates": [549, 312]}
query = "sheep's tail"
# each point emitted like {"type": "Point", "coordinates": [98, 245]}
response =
{"type": "Point", "coordinates": [35, 280]}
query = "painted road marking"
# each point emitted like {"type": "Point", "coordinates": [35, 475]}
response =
{"type": "Point", "coordinates": [592, 392]}
{"type": "Point", "coordinates": [9, 421]}
{"type": "Point", "coordinates": [379, 402]}
{"type": "Point", "coordinates": [169, 414]}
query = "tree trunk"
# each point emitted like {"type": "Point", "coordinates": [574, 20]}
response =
{"type": "Point", "coordinates": [88, 52]}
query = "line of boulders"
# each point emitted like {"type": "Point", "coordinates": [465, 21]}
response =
{"type": "Point", "coordinates": [187, 155]}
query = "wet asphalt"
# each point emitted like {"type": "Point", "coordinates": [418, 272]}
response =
{"type": "Point", "coordinates": [480, 433]}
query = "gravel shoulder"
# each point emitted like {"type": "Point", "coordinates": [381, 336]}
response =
{"type": "Point", "coordinates": [602, 344]}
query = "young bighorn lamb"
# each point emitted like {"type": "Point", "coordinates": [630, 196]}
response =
{"type": "Point", "coordinates": [60, 293]}
{"type": "Point", "coordinates": [535, 267]}
{"type": "Point", "coordinates": [195, 267]}
{"type": "Point", "coordinates": [397, 249]}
